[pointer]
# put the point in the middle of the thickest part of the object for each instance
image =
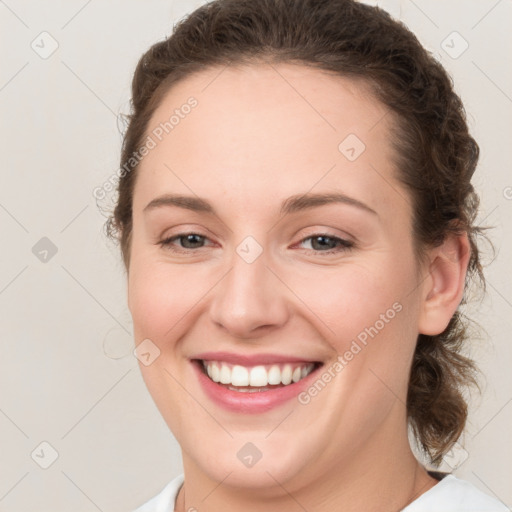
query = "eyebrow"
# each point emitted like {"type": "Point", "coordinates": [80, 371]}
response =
{"type": "Point", "coordinates": [293, 204]}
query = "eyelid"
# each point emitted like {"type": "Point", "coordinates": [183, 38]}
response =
{"type": "Point", "coordinates": [321, 230]}
{"type": "Point", "coordinates": [185, 229]}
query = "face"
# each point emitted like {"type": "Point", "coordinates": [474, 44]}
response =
{"type": "Point", "coordinates": [272, 248]}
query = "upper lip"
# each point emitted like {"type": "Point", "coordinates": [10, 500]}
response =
{"type": "Point", "coordinates": [251, 360]}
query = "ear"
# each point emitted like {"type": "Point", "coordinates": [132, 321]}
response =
{"type": "Point", "coordinates": [443, 286]}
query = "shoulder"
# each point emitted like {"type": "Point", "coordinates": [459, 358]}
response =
{"type": "Point", "coordinates": [165, 500]}
{"type": "Point", "coordinates": [452, 494]}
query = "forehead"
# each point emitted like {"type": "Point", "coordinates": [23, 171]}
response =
{"type": "Point", "coordinates": [237, 101]}
{"type": "Point", "coordinates": [264, 130]}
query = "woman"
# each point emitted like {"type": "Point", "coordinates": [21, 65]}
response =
{"type": "Point", "coordinates": [296, 216]}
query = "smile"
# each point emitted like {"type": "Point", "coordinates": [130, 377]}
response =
{"type": "Point", "coordinates": [252, 384]}
{"type": "Point", "coordinates": [256, 378]}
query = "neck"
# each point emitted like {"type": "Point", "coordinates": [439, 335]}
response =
{"type": "Point", "coordinates": [382, 475]}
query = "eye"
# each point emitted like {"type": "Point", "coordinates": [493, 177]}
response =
{"type": "Point", "coordinates": [319, 243]}
{"type": "Point", "coordinates": [188, 242]}
{"type": "Point", "coordinates": [326, 244]}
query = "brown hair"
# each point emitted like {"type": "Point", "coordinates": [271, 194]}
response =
{"type": "Point", "coordinates": [436, 156]}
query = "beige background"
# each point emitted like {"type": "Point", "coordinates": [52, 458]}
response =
{"type": "Point", "coordinates": [67, 373]}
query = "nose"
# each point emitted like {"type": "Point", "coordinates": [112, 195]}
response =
{"type": "Point", "coordinates": [250, 300]}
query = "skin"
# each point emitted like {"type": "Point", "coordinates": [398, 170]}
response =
{"type": "Point", "coordinates": [259, 135]}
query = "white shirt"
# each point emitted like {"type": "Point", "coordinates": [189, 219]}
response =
{"type": "Point", "coordinates": [450, 495]}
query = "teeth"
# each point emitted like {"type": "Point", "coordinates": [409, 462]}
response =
{"type": "Point", "coordinates": [274, 375]}
{"type": "Point", "coordinates": [215, 372]}
{"type": "Point", "coordinates": [258, 376]}
{"type": "Point", "coordinates": [225, 374]}
{"type": "Point", "coordinates": [237, 376]}
{"type": "Point", "coordinates": [286, 374]}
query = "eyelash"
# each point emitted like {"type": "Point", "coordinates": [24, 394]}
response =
{"type": "Point", "coordinates": [343, 245]}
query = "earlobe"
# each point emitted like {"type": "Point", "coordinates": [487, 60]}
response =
{"type": "Point", "coordinates": [443, 287]}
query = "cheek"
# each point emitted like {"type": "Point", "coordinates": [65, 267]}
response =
{"type": "Point", "coordinates": [352, 298]}
{"type": "Point", "coordinates": [161, 296]}
{"type": "Point", "coordinates": [372, 327]}
{"type": "Point", "coordinates": [162, 301]}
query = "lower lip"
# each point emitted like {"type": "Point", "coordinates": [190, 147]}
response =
{"type": "Point", "coordinates": [252, 402]}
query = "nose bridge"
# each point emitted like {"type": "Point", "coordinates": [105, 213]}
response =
{"type": "Point", "coordinates": [250, 295]}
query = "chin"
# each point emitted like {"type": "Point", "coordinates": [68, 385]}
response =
{"type": "Point", "coordinates": [252, 462]}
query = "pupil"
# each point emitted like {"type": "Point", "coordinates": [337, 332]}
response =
{"type": "Point", "coordinates": [323, 243]}
{"type": "Point", "coordinates": [192, 239]}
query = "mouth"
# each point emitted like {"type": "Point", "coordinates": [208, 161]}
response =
{"type": "Point", "coordinates": [255, 379]}
{"type": "Point", "coordinates": [253, 384]}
